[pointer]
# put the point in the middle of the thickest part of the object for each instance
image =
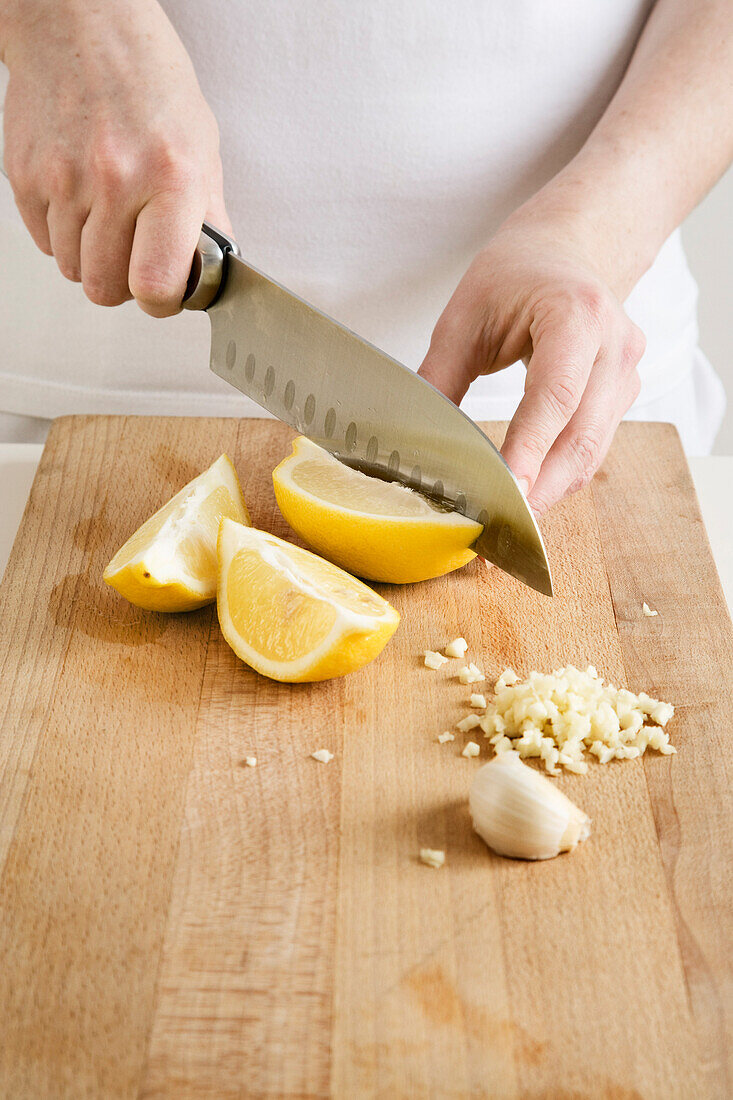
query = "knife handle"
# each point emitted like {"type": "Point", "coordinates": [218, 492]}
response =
{"type": "Point", "coordinates": [208, 269]}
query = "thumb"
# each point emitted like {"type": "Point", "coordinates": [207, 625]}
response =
{"type": "Point", "coordinates": [448, 364]}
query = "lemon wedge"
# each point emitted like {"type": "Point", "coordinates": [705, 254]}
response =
{"type": "Point", "coordinates": [377, 529]}
{"type": "Point", "coordinates": [291, 615]}
{"type": "Point", "coordinates": [169, 564]}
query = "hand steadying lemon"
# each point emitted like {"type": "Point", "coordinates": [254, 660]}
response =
{"type": "Point", "coordinates": [285, 611]}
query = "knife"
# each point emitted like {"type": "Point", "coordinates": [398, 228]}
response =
{"type": "Point", "coordinates": [362, 406]}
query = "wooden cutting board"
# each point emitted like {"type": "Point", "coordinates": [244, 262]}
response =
{"type": "Point", "coordinates": [174, 924]}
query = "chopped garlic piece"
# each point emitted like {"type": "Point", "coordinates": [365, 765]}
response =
{"type": "Point", "coordinates": [434, 660]}
{"type": "Point", "coordinates": [648, 611]}
{"type": "Point", "coordinates": [577, 766]}
{"type": "Point", "coordinates": [456, 648]}
{"type": "Point", "coordinates": [433, 857]}
{"type": "Point", "coordinates": [468, 723]}
{"type": "Point", "coordinates": [323, 756]}
{"type": "Point", "coordinates": [471, 749]}
{"type": "Point", "coordinates": [507, 678]}
{"type": "Point", "coordinates": [661, 713]}
{"type": "Point", "coordinates": [470, 674]}
{"type": "Point", "coordinates": [478, 701]}
{"type": "Point", "coordinates": [443, 737]}
{"type": "Point", "coordinates": [251, 761]}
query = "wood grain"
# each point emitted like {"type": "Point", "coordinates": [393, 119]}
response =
{"type": "Point", "coordinates": [177, 925]}
{"type": "Point", "coordinates": [685, 654]}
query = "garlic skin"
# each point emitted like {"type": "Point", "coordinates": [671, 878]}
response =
{"type": "Point", "coordinates": [520, 813]}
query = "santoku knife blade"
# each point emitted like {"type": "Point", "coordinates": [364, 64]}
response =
{"type": "Point", "coordinates": [360, 404]}
{"type": "Point", "coordinates": [364, 407]}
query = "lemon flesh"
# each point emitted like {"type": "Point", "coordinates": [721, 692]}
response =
{"type": "Point", "coordinates": [291, 615]}
{"type": "Point", "coordinates": [377, 529]}
{"type": "Point", "coordinates": [169, 564]}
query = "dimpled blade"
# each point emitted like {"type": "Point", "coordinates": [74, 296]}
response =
{"type": "Point", "coordinates": [370, 411]}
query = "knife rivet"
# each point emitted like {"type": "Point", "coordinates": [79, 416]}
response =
{"type": "Point", "coordinates": [394, 462]}
{"type": "Point", "coordinates": [483, 517]}
{"type": "Point", "coordinates": [289, 395]}
{"type": "Point", "coordinates": [372, 449]}
{"type": "Point", "coordinates": [330, 423]}
{"type": "Point", "coordinates": [351, 433]}
{"type": "Point", "coordinates": [460, 505]}
{"type": "Point", "coordinates": [269, 381]}
{"type": "Point", "coordinates": [249, 367]}
{"type": "Point", "coordinates": [438, 490]}
{"type": "Point", "coordinates": [416, 477]}
{"type": "Point", "coordinates": [231, 356]}
{"type": "Point", "coordinates": [310, 408]}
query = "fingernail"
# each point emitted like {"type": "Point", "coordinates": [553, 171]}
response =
{"type": "Point", "coordinates": [523, 484]}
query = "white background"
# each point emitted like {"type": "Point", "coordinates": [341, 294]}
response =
{"type": "Point", "coordinates": [708, 237]}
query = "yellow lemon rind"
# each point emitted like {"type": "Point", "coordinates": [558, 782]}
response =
{"type": "Point", "coordinates": [345, 649]}
{"type": "Point", "coordinates": [393, 549]}
{"type": "Point", "coordinates": [133, 572]}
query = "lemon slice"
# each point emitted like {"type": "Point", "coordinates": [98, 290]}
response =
{"type": "Point", "coordinates": [291, 615]}
{"type": "Point", "coordinates": [169, 564]}
{"type": "Point", "coordinates": [376, 529]}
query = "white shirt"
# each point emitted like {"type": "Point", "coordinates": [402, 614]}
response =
{"type": "Point", "coordinates": [369, 151]}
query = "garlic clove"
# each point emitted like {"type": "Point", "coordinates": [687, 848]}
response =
{"type": "Point", "coordinates": [520, 813]}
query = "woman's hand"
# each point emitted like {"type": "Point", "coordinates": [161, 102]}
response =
{"type": "Point", "coordinates": [110, 147]}
{"type": "Point", "coordinates": [533, 294]}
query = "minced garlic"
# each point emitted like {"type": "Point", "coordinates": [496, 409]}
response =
{"type": "Point", "coordinates": [557, 717]}
{"type": "Point", "coordinates": [471, 749]}
{"type": "Point", "coordinates": [456, 648]}
{"type": "Point", "coordinates": [470, 674]}
{"type": "Point", "coordinates": [478, 701]}
{"type": "Point", "coordinates": [443, 737]}
{"type": "Point", "coordinates": [434, 660]}
{"type": "Point", "coordinates": [433, 857]}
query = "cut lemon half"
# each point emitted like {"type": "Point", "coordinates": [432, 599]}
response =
{"type": "Point", "coordinates": [291, 615]}
{"type": "Point", "coordinates": [169, 564]}
{"type": "Point", "coordinates": [376, 529]}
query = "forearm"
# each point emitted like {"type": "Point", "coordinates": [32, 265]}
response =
{"type": "Point", "coordinates": [664, 140]}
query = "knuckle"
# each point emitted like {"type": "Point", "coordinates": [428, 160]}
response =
{"type": "Point", "coordinates": [563, 394]}
{"type": "Point", "coordinates": [171, 166]}
{"type": "Point", "coordinates": [103, 293]}
{"type": "Point", "coordinates": [585, 449]}
{"type": "Point", "coordinates": [110, 170]}
{"type": "Point", "coordinates": [634, 346]}
{"type": "Point", "coordinates": [70, 271]}
{"type": "Point", "coordinates": [590, 303]}
{"type": "Point", "coordinates": [155, 287]}
{"type": "Point", "coordinates": [42, 244]}
{"type": "Point", "coordinates": [541, 502]}
{"type": "Point", "coordinates": [534, 445]}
